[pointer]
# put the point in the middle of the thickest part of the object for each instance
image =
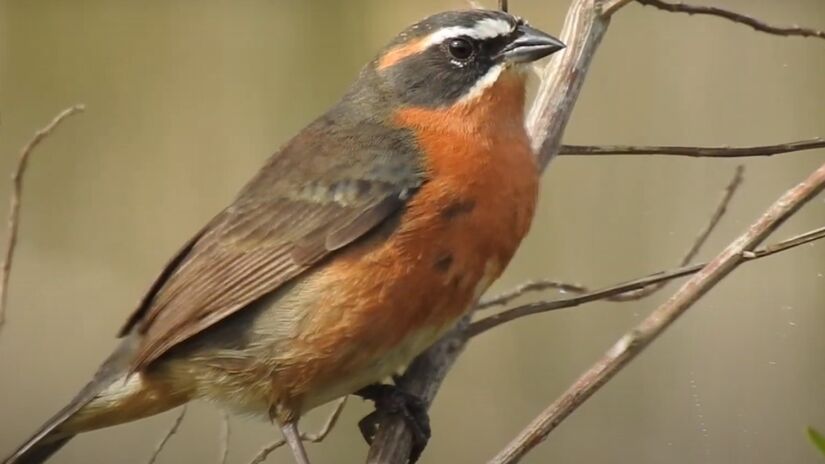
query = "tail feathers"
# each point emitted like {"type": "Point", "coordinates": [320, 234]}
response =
{"type": "Point", "coordinates": [50, 437]}
{"type": "Point", "coordinates": [39, 453]}
{"type": "Point", "coordinates": [112, 397]}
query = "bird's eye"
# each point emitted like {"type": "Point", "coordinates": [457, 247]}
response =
{"type": "Point", "coordinates": [460, 49]}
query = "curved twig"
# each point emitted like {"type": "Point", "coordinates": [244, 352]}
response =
{"type": "Point", "coordinates": [16, 195]}
{"type": "Point", "coordinates": [761, 26]}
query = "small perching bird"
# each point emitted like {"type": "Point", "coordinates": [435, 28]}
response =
{"type": "Point", "coordinates": [359, 243]}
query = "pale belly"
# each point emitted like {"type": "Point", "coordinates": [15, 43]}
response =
{"type": "Point", "coordinates": [270, 356]}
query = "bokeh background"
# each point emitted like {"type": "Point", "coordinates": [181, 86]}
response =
{"type": "Point", "coordinates": [185, 99]}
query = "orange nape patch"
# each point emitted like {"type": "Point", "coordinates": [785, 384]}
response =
{"type": "Point", "coordinates": [400, 52]}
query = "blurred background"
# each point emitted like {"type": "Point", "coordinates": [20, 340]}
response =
{"type": "Point", "coordinates": [186, 99]}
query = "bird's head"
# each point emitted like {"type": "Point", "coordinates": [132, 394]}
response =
{"type": "Point", "coordinates": [455, 57]}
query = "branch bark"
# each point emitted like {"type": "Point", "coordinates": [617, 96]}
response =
{"type": "Point", "coordinates": [634, 342]}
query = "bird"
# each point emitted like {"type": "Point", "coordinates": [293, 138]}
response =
{"type": "Point", "coordinates": [359, 243]}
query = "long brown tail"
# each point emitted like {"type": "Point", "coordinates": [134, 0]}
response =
{"type": "Point", "coordinates": [111, 398]}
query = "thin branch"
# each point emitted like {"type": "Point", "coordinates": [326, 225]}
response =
{"type": "Point", "coordinates": [226, 432]}
{"type": "Point", "coordinates": [169, 433]}
{"type": "Point", "coordinates": [643, 292]}
{"type": "Point", "coordinates": [740, 18]}
{"type": "Point", "coordinates": [610, 293]}
{"type": "Point", "coordinates": [14, 205]}
{"type": "Point", "coordinates": [531, 286]}
{"type": "Point", "coordinates": [697, 152]}
{"type": "Point", "coordinates": [504, 5]}
{"type": "Point", "coordinates": [715, 218]}
{"type": "Point", "coordinates": [634, 342]}
{"type": "Point", "coordinates": [317, 437]}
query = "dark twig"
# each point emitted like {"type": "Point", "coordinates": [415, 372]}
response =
{"type": "Point", "coordinates": [697, 152]}
{"type": "Point", "coordinates": [609, 293]}
{"type": "Point", "coordinates": [14, 205]}
{"type": "Point", "coordinates": [639, 292]}
{"type": "Point", "coordinates": [634, 342]}
{"type": "Point", "coordinates": [317, 437]}
{"type": "Point", "coordinates": [503, 5]}
{"type": "Point", "coordinates": [169, 433]}
{"type": "Point", "coordinates": [757, 24]}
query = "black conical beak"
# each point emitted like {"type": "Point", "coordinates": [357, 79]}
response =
{"type": "Point", "coordinates": [529, 44]}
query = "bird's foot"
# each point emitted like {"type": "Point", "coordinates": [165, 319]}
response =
{"type": "Point", "coordinates": [392, 401]}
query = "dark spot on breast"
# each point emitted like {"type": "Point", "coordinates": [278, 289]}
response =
{"type": "Point", "coordinates": [458, 208]}
{"type": "Point", "coordinates": [444, 261]}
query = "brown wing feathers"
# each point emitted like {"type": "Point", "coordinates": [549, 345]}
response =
{"type": "Point", "coordinates": [274, 231]}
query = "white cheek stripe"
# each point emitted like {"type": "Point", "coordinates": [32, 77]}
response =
{"type": "Point", "coordinates": [483, 84]}
{"type": "Point", "coordinates": [485, 29]}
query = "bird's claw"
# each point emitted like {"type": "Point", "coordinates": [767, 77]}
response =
{"type": "Point", "coordinates": [392, 401]}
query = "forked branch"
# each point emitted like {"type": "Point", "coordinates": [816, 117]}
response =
{"type": "Point", "coordinates": [610, 293]}
{"type": "Point", "coordinates": [632, 343]}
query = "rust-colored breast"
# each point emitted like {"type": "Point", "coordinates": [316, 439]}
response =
{"type": "Point", "coordinates": [456, 236]}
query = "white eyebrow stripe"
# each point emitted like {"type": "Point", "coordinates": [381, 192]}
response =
{"type": "Point", "coordinates": [487, 28]}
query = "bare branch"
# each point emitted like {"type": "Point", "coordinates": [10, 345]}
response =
{"type": "Point", "coordinates": [14, 205]}
{"type": "Point", "coordinates": [317, 437]}
{"type": "Point", "coordinates": [696, 152]}
{"type": "Point", "coordinates": [531, 286]}
{"type": "Point", "coordinates": [721, 208]}
{"type": "Point", "coordinates": [504, 5]}
{"type": "Point", "coordinates": [610, 293]}
{"type": "Point", "coordinates": [639, 293]}
{"type": "Point", "coordinates": [635, 341]}
{"type": "Point", "coordinates": [226, 432]}
{"type": "Point", "coordinates": [757, 24]}
{"type": "Point", "coordinates": [169, 433]}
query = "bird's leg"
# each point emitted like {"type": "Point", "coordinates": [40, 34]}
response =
{"type": "Point", "coordinates": [391, 400]}
{"type": "Point", "coordinates": [293, 439]}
